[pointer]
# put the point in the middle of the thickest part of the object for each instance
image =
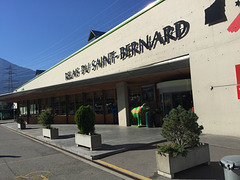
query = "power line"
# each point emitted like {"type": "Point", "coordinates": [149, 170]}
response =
{"type": "Point", "coordinates": [63, 49]}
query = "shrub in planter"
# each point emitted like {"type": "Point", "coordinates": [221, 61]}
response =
{"type": "Point", "coordinates": [46, 118]}
{"type": "Point", "coordinates": [180, 127]}
{"type": "Point", "coordinates": [85, 120]}
{"type": "Point", "coordinates": [21, 122]}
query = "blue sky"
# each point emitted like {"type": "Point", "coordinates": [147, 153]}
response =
{"type": "Point", "coordinates": [38, 34]}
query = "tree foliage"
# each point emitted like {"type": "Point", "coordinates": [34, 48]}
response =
{"type": "Point", "coordinates": [19, 120]}
{"type": "Point", "coordinates": [46, 118]}
{"type": "Point", "coordinates": [180, 127]}
{"type": "Point", "coordinates": [173, 150]}
{"type": "Point", "coordinates": [85, 120]}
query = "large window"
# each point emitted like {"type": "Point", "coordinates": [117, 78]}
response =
{"type": "Point", "coordinates": [45, 103]}
{"type": "Point", "coordinates": [134, 94]}
{"type": "Point", "coordinates": [62, 104]}
{"type": "Point", "coordinates": [34, 107]}
{"type": "Point", "coordinates": [23, 108]}
{"type": "Point", "coordinates": [109, 101]}
{"type": "Point", "coordinates": [89, 99]}
{"type": "Point", "coordinates": [79, 100]}
{"type": "Point", "coordinates": [174, 93]}
{"type": "Point", "coordinates": [56, 106]}
{"type": "Point", "coordinates": [59, 105]}
{"type": "Point", "coordinates": [148, 94]}
{"type": "Point", "coordinates": [98, 102]}
{"type": "Point", "coordinates": [71, 105]}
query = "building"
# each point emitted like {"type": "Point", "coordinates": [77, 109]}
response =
{"type": "Point", "coordinates": [170, 53]}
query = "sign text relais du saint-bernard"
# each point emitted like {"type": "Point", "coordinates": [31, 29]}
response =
{"type": "Point", "coordinates": [176, 32]}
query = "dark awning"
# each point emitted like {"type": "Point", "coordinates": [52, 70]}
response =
{"type": "Point", "coordinates": [164, 66]}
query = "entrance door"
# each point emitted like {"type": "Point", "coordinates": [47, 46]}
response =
{"type": "Point", "coordinates": [99, 106]}
{"type": "Point", "coordinates": [172, 100]}
{"type": "Point", "coordinates": [111, 112]}
{"type": "Point", "coordinates": [174, 93]}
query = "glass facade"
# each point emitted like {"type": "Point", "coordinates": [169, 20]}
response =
{"type": "Point", "coordinates": [98, 102]}
{"type": "Point", "coordinates": [172, 100]}
{"type": "Point", "coordinates": [23, 108]}
{"type": "Point", "coordinates": [89, 99]}
{"type": "Point", "coordinates": [45, 103]}
{"type": "Point", "coordinates": [62, 105]}
{"type": "Point", "coordinates": [71, 105]}
{"type": "Point", "coordinates": [55, 105]}
{"type": "Point", "coordinates": [34, 108]}
{"type": "Point", "coordinates": [109, 101]}
{"type": "Point", "coordinates": [134, 94]}
{"type": "Point", "coordinates": [160, 98]}
{"type": "Point", "coordinates": [79, 101]}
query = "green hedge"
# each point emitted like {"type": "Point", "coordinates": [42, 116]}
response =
{"type": "Point", "coordinates": [85, 120]}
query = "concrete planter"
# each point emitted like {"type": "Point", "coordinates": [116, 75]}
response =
{"type": "Point", "coordinates": [92, 142]}
{"type": "Point", "coordinates": [50, 133]}
{"type": "Point", "coordinates": [167, 166]}
{"type": "Point", "coordinates": [21, 126]}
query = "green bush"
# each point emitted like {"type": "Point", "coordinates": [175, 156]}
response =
{"type": "Point", "coordinates": [20, 120]}
{"type": "Point", "coordinates": [85, 120]}
{"type": "Point", "coordinates": [46, 118]}
{"type": "Point", "coordinates": [180, 127]}
{"type": "Point", "coordinates": [173, 150]}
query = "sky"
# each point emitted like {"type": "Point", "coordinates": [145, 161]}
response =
{"type": "Point", "coordinates": [38, 34]}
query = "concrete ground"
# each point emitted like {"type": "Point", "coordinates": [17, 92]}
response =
{"type": "Point", "coordinates": [115, 139]}
{"type": "Point", "coordinates": [22, 158]}
{"type": "Point", "coordinates": [131, 150]}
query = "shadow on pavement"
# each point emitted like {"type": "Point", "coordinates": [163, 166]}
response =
{"type": "Point", "coordinates": [28, 128]}
{"type": "Point", "coordinates": [9, 156]}
{"type": "Point", "coordinates": [66, 136]}
{"type": "Point", "coordinates": [137, 146]}
{"type": "Point", "coordinates": [214, 171]}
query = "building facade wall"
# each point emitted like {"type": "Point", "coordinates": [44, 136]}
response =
{"type": "Point", "coordinates": [213, 53]}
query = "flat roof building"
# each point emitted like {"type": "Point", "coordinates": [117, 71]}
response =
{"type": "Point", "coordinates": [170, 53]}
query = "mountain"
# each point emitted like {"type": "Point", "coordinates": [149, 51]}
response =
{"type": "Point", "coordinates": [13, 76]}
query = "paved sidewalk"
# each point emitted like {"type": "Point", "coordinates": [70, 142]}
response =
{"type": "Point", "coordinates": [143, 161]}
{"type": "Point", "coordinates": [115, 139]}
{"type": "Point", "coordinates": [133, 149]}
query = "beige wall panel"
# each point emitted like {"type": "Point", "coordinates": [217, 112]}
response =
{"type": "Point", "coordinates": [218, 108]}
{"type": "Point", "coordinates": [212, 63]}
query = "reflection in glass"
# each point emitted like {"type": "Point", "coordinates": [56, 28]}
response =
{"type": "Point", "coordinates": [134, 97]}
{"type": "Point", "coordinates": [98, 102]}
{"type": "Point", "coordinates": [109, 101]}
{"type": "Point", "coordinates": [71, 105]}
{"type": "Point", "coordinates": [62, 105]}
{"type": "Point", "coordinates": [56, 106]}
{"type": "Point", "coordinates": [89, 99]}
{"type": "Point", "coordinates": [79, 100]}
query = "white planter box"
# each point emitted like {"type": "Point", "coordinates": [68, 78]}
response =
{"type": "Point", "coordinates": [21, 126]}
{"type": "Point", "coordinates": [167, 166]}
{"type": "Point", "coordinates": [93, 142]}
{"type": "Point", "coordinates": [50, 133]}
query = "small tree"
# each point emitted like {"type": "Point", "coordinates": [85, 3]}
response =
{"type": "Point", "coordinates": [181, 128]}
{"type": "Point", "coordinates": [85, 120]}
{"type": "Point", "coordinates": [46, 118]}
{"type": "Point", "coordinates": [20, 120]}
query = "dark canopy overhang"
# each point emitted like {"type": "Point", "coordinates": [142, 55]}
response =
{"type": "Point", "coordinates": [65, 88]}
